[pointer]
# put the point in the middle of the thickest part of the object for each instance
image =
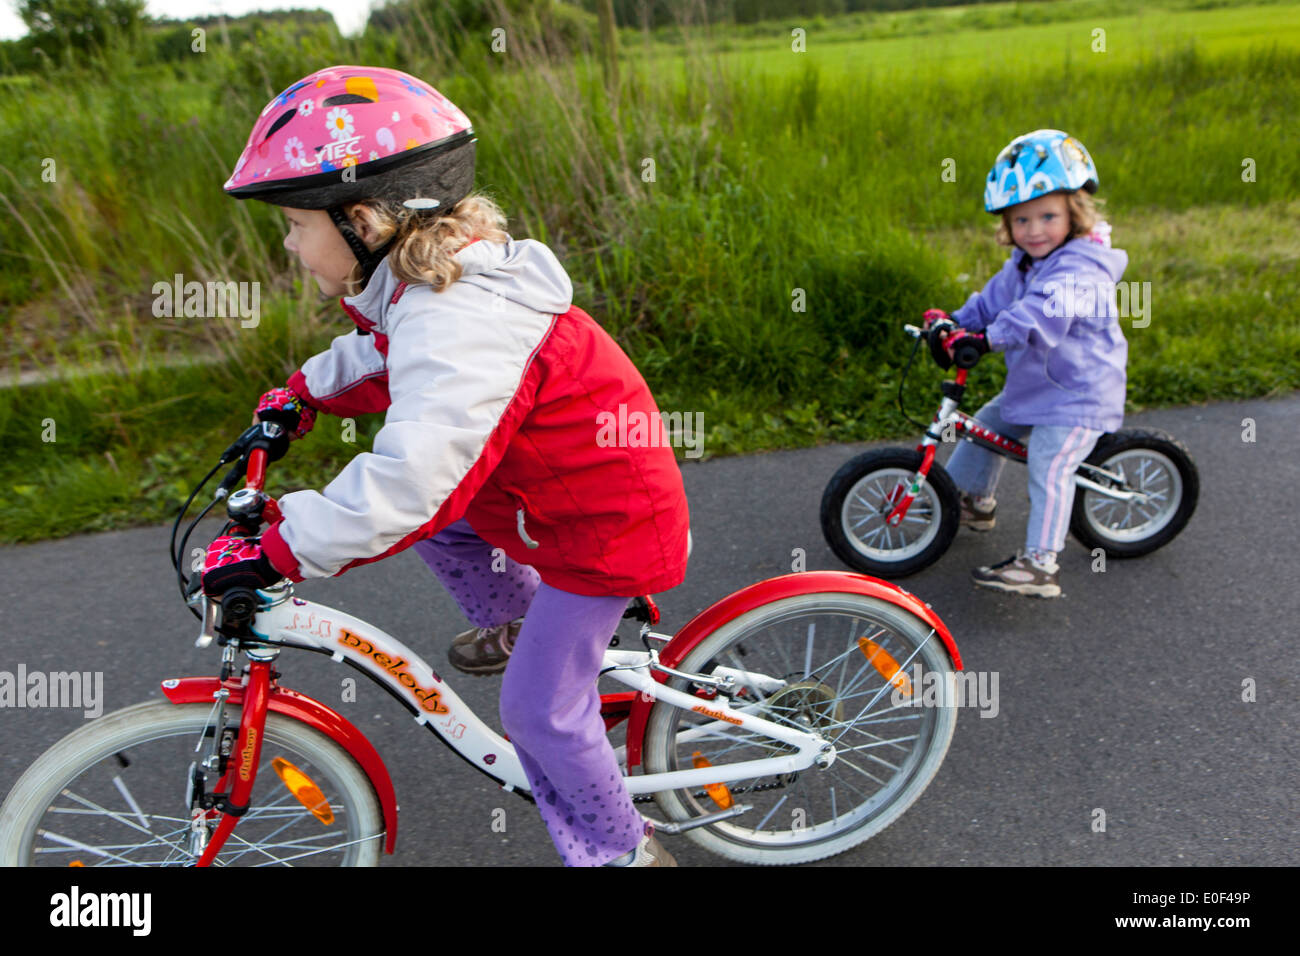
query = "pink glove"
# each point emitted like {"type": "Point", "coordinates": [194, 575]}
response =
{"type": "Point", "coordinates": [971, 344]}
{"type": "Point", "coordinates": [286, 408]}
{"type": "Point", "coordinates": [932, 316]}
{"type": "Point", "coordinates": [237, 562]}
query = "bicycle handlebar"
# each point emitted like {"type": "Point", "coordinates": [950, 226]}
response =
{"type": "Point", "coordinates": [257, 462]}
{"type": "Point", "coordinates": [258, 445]}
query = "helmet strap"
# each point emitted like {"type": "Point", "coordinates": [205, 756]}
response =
{"type": "Point", "coordinates": [369, 260]}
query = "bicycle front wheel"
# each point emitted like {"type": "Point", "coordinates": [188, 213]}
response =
{"type": "Point", "coordinates": [114, 793]}
{"type": "Point", "coordinates": [859, 498]}
{"type": "Point", "coordinates": [842, 663]}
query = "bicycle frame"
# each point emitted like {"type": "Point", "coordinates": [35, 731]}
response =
{"type": "Point", "coordinates": [291, 622]}
{"type": "Point", "coordinates": [966, 427]}
{"type": "Point", "coordinates": [283, 620]}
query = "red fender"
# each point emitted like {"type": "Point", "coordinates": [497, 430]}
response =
{"type": "Point", "coordinates": [296, 706]}
{"type": "Point", "coordinates": [765, 592]}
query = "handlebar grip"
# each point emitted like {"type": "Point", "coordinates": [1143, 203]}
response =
{"type": "Point", "coordinates": [238, 605]}
{"type": "Point", "coordinates": [966, 356]}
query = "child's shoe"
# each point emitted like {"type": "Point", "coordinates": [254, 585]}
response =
{"type": "Point", "coordinates": [484, 650]}
{"type": "Point", "coordinates": [1020, 575]}
{"type": "Point", "coordinates": [975, 517]}
{"type": "Point", "coordinates": [647, 853]}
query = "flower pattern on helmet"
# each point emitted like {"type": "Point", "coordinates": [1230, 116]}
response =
{"type": "Point", "coordinates": [339, 123]}
{"type": "Point", "coordinates": [370, 112]}
{"type": "Point", "coordinates": [294, 153]}
{"type": "Point", "coordinates": [288, 94]}
{"type": "Point", "coordinates": [413, 88]}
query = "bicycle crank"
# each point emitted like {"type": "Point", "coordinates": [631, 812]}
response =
{"type": "Point", "coordinates": [704, 821]}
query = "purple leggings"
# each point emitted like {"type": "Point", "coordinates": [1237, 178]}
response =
{"type": "Point", "coordinates": [550, 706]}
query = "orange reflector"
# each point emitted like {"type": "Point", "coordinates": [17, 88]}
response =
{"type": "Point", "coordinates": [76, 863]}
{"type": "Point", "coordinates": [717, 792]}
{"type": "Point", "coordinates": [884, 662]}
{"type": "Point", "coordinates": [307, 793]}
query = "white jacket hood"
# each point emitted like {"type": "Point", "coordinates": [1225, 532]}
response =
{"type": "Point", "coordinates": [523, 271]}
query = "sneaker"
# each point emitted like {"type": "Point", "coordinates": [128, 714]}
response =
{"type": "Point", "coordinates": [1019, 575]}
{"type": "Point", "coordinates": [484, 650]}
{"type": "Point", "coordinates": [648, 852]}
{"type": "Point", "coordinates": [975, 518]}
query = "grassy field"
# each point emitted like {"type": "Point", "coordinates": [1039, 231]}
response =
{"type": "Point", "coordinates": [774, 172]}
{"type": "Point", "coordinates": [954, 45]}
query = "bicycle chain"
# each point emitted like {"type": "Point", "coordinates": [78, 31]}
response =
{"type": "Point", "coordinates": [756, 788]}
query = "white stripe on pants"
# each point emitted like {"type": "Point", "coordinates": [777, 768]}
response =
{"type": "Point", "coordinates": [1055, 452]}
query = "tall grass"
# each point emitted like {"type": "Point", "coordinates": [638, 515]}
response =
{"type": "Point", "coordinates": [813, 183]}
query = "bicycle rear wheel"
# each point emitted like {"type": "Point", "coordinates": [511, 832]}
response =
{"type": "Point", "coordinates": [839, 656]}
{"type": "Point", "coordinates": [114, 794]}
{"type": "Point", "coordinates": [1150, 462]}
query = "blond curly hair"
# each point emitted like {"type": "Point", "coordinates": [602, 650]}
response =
{"type": "Point", "coordinates": [1084, 215]}
{"type": "Point", "coordinates": [425, 244]}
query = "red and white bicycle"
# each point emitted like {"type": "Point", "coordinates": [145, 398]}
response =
{"type": "Point", "coordinates": [895, 511]}
{"type": "Point", "coordinates": [783, 724]}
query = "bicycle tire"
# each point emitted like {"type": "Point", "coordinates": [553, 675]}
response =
{"type": "Point", "coordinates": [1172, 472]}
{"type": "Point", "coordinates": [809, 701]}
{"type": "Point", "coordinates": [859, 492]}
{"type": "Point", "coordinates": [158, 738]}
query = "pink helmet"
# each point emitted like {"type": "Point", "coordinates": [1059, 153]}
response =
{"type": "Point", "coordinates": [347, 133]}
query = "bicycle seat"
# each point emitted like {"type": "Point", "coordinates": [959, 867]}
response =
{"type": "Point", "coordinates": [643, 609]}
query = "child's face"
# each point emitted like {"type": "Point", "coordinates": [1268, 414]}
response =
{"type": "Point", "coordinates": [320, 247]}
{"type": "Point", "coordinates": [1040, 225]}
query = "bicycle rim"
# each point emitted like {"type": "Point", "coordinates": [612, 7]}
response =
{"type": "Point", "coordinates": [114, 794]}
{"type": "Point", "coordinates": [869, 502]}
{"type": "Point", "coordinates": [1144, 470]}
{"type": "Point", "coordinates": [887, 752]}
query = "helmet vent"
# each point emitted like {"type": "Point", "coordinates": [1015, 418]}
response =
{"type": "Point", "coordinates": [344, 98]}
{"type": "Point", "coordinates": [284, 118]}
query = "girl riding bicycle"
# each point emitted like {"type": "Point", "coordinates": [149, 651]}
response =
{"type": "Point", "coordinates": [488, 462]}
{"type": "Point", "coordinates": [1051, 311]}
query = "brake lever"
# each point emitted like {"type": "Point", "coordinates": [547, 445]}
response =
{"type": "Point", "coordinates": [208, 633]}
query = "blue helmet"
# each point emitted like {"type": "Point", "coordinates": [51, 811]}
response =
{"type": "Point", "coordinates": [1044, 161]}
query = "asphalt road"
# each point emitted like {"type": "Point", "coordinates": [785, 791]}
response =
{"type": "Point", "coordinates": [1125, 695]}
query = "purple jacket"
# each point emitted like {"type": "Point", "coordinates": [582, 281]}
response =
{"type": "Point", "coordinates": [1057, 324]}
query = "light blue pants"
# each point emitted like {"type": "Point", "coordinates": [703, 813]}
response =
{"type": "Point", "coordinates": [1055, 451]}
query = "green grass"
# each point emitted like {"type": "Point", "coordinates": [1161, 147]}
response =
{"type": "Point", "coordinates": [965, 40]}
{"type": "Point", "coordinates": [775, 172]}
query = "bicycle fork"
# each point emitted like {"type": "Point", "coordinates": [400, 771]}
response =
{"type": "Point", "coordinates": [902, 497]}
{"type": "Point", "coordinates": [233, 798]}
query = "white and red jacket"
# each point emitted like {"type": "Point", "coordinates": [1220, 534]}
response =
{"type": "Point", "coordinates": [492, 390]}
